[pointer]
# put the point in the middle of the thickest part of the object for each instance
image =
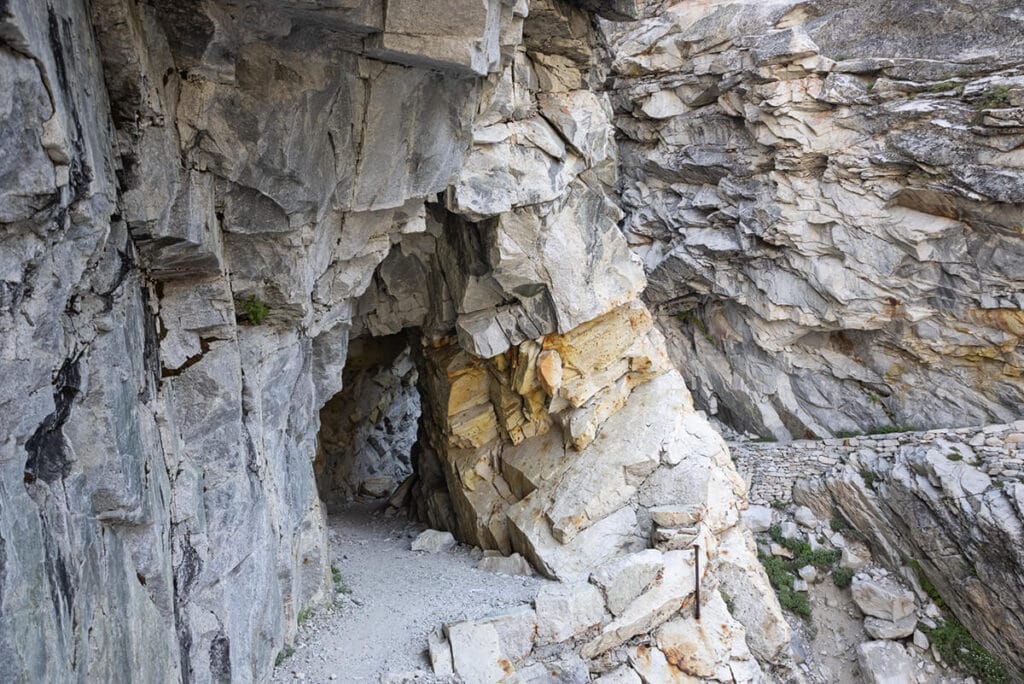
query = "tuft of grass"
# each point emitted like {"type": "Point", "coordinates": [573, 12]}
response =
{"type": "Point", "coordinates": [942, 87]}
{"type": "Point", "coordinates": [956, 645]}
{"type": "Point", "coordinates": [869, 477]}
{"type": "Point", "coordinates": [764, 440]}
{"type": "Point", "coordinates": [954, 456]}
{"type": "Point", "coordinates": [339, 582]}
{"type": "Point", "coordinates": [778, 505]}
{"type": "Point", "coordinates": [305, 614]}
{"type": "Point", "coordinates": [838, 524]}
{"type": "Point", "coordinates": [842, 577]}
{"type": "Point", "coordinates": [283, 655]}
{"type": "Point", "coordinates": [844, 434]}
{"type": "Point", "coordinates": [802, 553]}
{"type": "Point", "coordinates": [252, 310]}
{"type": "Point", "coordinates": [926, 584]}
{"type": "Point", "coordinates": [890, 429]}
{"type": "Point", "coordinates": [996, 97]}
{"type": "Point", "coordinates": [690, 317]}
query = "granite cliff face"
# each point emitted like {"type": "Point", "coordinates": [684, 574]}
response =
{"type": "Point", "coordinates": [202, 202]}
{"type": "Point", "coordinates": [827, 198]}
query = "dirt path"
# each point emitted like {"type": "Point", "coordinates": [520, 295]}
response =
{"type": "Point", "coordinates": [397, 597]}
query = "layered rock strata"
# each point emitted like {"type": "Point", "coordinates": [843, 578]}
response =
{"type": "Point", "coordinates": [201, 203]}
{"type": "Point", "coordinates": [932, 510]}
{"type": "Point", "coordinates": [827, 198]}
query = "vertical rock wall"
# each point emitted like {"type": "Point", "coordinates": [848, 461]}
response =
{"type": "Point", "coordinates": [828, 200]}
{"type": "Point", "coordinates": [200, 202]}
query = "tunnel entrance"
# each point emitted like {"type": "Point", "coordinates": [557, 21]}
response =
{"type": "Point", "coordinates": [368, 430]}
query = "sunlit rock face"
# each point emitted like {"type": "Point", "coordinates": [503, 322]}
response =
{"type": "Point", "coordinates": [827, 198]}
{"type": "Point", "coordinates": [202, 202]}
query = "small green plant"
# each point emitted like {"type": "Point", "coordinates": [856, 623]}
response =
{"type": "Point", "coordinates": [956, 645]}
{"type": "Point", "coordinates": [869, 477]}
{"type": "Point", "coordinates": [778, 505]}
{"type": "Point", "coordinates": [782, 581]}
{"type": "Point", "coordinates": [842, 577]}
{"type": "Point", "coordinates": [305, 614]}
{"type": "Point", "coordinates": [996, 97]}
{"type": "Point", "coordinates": [942, 87]}
{"type": "Point", "coordinates": [764, 440]}
{"type": "Point", "coordinates": [252, 310]}
{"type": "Point", "coordinates": [954, 456]}
{"type": "Point", "coordinates": [890, 429]}
{"type": "Point", "coordinates": [339, 582]}
{"type": "Point", "coordinates": [926, 584]}
{"type": "Point", "coordinates": [283, 655]}
{"type": "Point", "coordinates": [838, 524]}
{"type": "Point", "coordinates": [690, 317]}
{"type": "Point", "coordinates": [843, 434]}
{"type": "Point", "coordinates": [729, 605]}
{"type": "Point", "coordinates": [874, 399]}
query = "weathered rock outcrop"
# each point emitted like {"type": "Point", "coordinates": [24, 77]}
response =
{"type": "Point", "coordinates": [201, 203]}
{"type": "Point", "coordinates": [827, 197]}
{"type": "Point", "coordinates": [930, 508]}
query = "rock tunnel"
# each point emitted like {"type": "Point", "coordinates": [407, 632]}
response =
{"type": "Point", "coordinates": [264, 258]}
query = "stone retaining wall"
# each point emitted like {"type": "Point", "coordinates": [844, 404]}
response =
{"type": "Point", "coordinates": [771, 468]}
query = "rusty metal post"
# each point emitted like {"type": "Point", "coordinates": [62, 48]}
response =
{"type": "Point", "coordinates": [696, 578]}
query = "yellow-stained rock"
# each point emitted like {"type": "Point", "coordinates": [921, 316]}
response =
{"type": "Point", "coordinates": [549, 371]}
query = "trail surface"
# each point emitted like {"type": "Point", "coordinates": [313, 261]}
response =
{"type": "Point", "coordinates": [395, 598]}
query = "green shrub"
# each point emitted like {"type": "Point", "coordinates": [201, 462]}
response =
{"type": "Point", "coordinates": [778, 505]}
{"type": "Point", "coordinates": [842, 577]}
{"type": "Point", "coordinates": [252, 310]}
{"type": "Point", "coordinates": [953, 456]}
{"type": "Point", "coordinates": [996, 97]}
{"type": "Point", "coordinates": [305, 614]}
{"type": "Point", "coordinates": [782, 581]}
{"type": "Point", "coordinates": [283, 655]}
{"type": "Point", "coordinates": [869, 477]}
{"type": "Point", "coordinates": [843, 434]}
{"type": "Point", "coordinates": [890, 429]}
{"type": "Point", "coordinates": [956, 645]}
{"type": "Point", "coordinates": [838, 524]}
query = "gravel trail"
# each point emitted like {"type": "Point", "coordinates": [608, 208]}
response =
{"type": "Point", "coordinates": [397, 597]}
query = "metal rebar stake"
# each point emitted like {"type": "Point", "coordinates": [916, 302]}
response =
{"type": "Point", "coordinates": [696, 578]}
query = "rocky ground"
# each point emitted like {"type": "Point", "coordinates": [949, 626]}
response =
{"type": "Point", "coordinates": [852, 619]}
{"type": "Point", "coordinates": [388, 599]}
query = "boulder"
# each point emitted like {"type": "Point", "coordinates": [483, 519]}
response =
{"type": "Point", "coordinates": [713, 647]}
{"type": "Point", "coordinates": [885, 662]}
{"type": "Point", "coordinates": [790, 530]}
{"type": "Point", "coordinates": [666, 596]}
{"type": "Point", "coordinates": [624, 578]}
{"type": "Point", "coordinates": [882, 598]}
{"type": "Point", "coordinates": [565, 611]}
{"type": "Point", "coordinates": [505, 565]}
{"type": "Point", "coordinates": [805, 517]}
{"type": "Point", "coordinates": [434, 541]}
{"type": "Point", "coordinates": [758, 518]}
{"type": "Point", "coordinates": [877, 628]}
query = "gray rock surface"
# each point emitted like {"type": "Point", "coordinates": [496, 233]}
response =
{"type": "Point", "coordinates": [201, 204]}
{"type": "Point", "coordinates": [884, 662]}
{"type": "Point", "coordinates": [928, 504]}
{"type": "Point", "coordinates": [826, 201]}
